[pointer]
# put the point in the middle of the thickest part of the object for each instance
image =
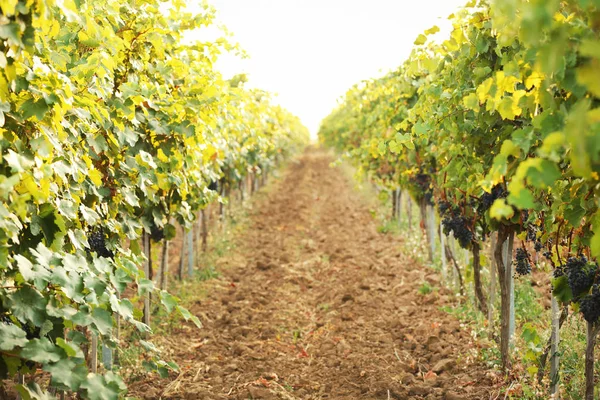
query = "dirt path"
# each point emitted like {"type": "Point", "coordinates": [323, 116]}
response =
{"type": "Point", "coordinates": [315, 304]}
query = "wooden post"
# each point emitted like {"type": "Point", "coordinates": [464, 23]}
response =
{"type": "Point", "coordinates": [20, 381]}
{"type": "Point", "coordinates": [93, 361]}
{"type": "Point", "coordinates": [492, 296]}
{"type": "Point", "coordinates": [409, 212]}
{"type": "Point", "coordinates": [503, 255]}
{"type": "Point", "coordinates": [554, 350]}
{"type": "Point", "coordinates": [190, 246]}
{"type": "Point", "coordinates": [147, 249]}
{"type": "Point", "coordinates": [204, 227]}
{"type": "Point", "coordinates": [221, 205]}
{"type": "Point", "coordinates": [229, 197]}
{"type": "Point", "coordinates": [198, 239]}
{"type": "Point", "coordinates": [118, 335]}
{"type": "Point", "coordinates": [452, 248]}
{"type": "Point", "coordinates": [164, 266]}
{"type": "Point", "coordinates": [443, 254]}
{"type": "Point", "coordinates": [431, 228]}
{"type": "Point", "coordinates": [394, 204]}
{"type": "Point", "coordinates": [511, 287]}
{"type": "Point", "coordinates": [423, 207]}
{"type": "Point", "coordinates": [399, 208]}
{"type": "Point", "coordinates": [592, 332]}
{"type": "Point", "coordinates": [182, 259]}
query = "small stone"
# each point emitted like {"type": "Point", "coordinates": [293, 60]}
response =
{"type": "Point", "coordinates": [444, 365]}
{"type": "Point", "coordinates": [453, 396]}
{"type": "Point", "coordinates": [407, 378]}
{"type": "Point", "coordinates": [419, 390]}
{"type": "Point", "coordinates": [259, 393]}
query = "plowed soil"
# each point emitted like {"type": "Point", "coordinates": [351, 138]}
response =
{"type": "Point", "coordinates": [313, 303]}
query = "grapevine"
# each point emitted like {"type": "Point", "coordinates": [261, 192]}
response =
{"type": "Point", "coordinates": [503, 122]}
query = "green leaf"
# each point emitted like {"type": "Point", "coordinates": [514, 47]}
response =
{"type": "Point", "coordinates": [561, 289]}
{"type": "Point", "coordinates": [32, 391]}
{"type": "Point", "coordinates": [574, 214]}
{"type": "Point", "coordinates": [66, 374]}
{"type": "Point", "coordinates": [11, 32]}
{"type": "Point", "coordinates": [97, 388]}
{"type": "Point", "coordinates": [70, 348]}
{"type": "Point", "coordinates": [595, 244]}
{"type": "Point", "coordinates": [103, 320]}
{"type": "Point", "coordinates": [471, 102]}
{"type": "Point", "coordinates": [576, 132]}
{"type": "Point", "coordinates": [42, 351]}
{"type": "Point", "coordinates": [17, 162]}
{"type": "Point", "coordinates": [28, 304]}
{"type": "Point", "coordinates": [188, 316]}
{"type": "Point", "coordinates": [35, 109]}
{"type": "Point", "coordinates": [521, 197]}
{"type": "Point", "coordinates": [168, 300]}
{"type": "Point", "coordinates": [145, 286]}
{"type": "Point", "coordinates": [11, 336]}
{"type": "Point", "coordinates": [542, 173]}
{"type": "Point", "coordinates": [170, 231]}
{"type": "Point", "coordinates": [500, 210]}
{"type": "Point", "coordinates": [587, 75]}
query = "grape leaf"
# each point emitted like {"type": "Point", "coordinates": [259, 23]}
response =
{"type": "Point", "coordinates": [11, 336]}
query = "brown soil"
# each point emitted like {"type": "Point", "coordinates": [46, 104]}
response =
{"type": "Point", "coordinates": [313, 303]}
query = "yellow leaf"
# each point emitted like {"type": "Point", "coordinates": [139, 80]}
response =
{"type": "Point", "coordinates": [589, 76]}
{"type": "Point", "coordinates": [507, 108]}
{"type": "Point", "coordinates": [501, 210]}
{"type": "Point", "coordinates": [432, 30]}
{"type": "Point", "coordinates": [161, 156]}
{"type": "Point", "coordinates": [8, 7]}
{"type": "Point", "coordinates": [471, 102]}
{"type": "Point", "coordinates": [593, 116]}
{"type": "Point", "coordinates": [510, 149]}
{"type": "Point", "coordinates": [483, 89]}
{"type": "Point", "coordinates": [421, 39]}
{"type": "Point", "coordinates": [535, 79]}
{"type": "Point", "coordinates": [95, 177]}
{"type": "Point", "coordinates": [505, 83]}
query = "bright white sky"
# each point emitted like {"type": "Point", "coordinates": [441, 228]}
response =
{"type": "Point", "coordinates": [310, 52]}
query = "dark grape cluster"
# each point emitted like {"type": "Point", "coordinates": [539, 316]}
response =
{"type": "Point", "coordinates": [458, 226]}
{"type": "Point", "coordinates": [523, 262]}
{"type": "Point", "coordinates": [581, 274]}
{"type": "Point", "coordinates": [97, 243]}
{"type": "Point", "coordinates": [213, 185]}
{"type": "Point", "coordinates": [156, 234]}
{"type": "Point", "coordinates": [486, 201]}
{"type": "Point", "coordinates": [5, 318]}
{"type": "Point", "coordinates": [590, 305]}
{"type": "Point", "coordinates": [532, 233]}
{"type": "Point", "coordinates": [31, 331]}
{"type": "Point", "coordinates": [444, 207]}
{"type": "Point", "coordinates": [548, 255]}
{"type": "Point", "coordinates": [423, 181]}
{"type": "Point", "coordinates": [558, 272]}
{"type": "Point", "coordinates": [538, 246]}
